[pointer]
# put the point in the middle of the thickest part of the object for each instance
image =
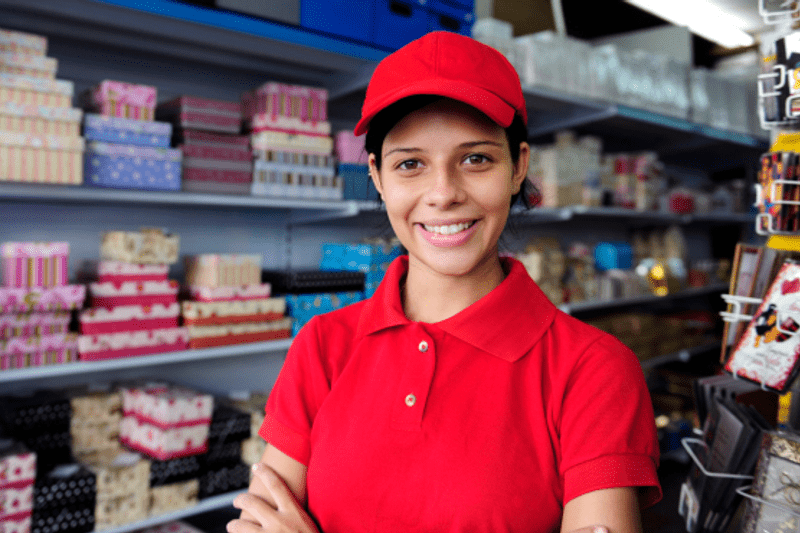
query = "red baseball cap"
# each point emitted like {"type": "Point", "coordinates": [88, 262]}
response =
{"type": "Point", "coordinates": [446, 64]}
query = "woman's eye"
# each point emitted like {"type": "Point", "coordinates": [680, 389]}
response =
{"type": "Point", "coordinates": [409, 164]}
{"type": "Point", "coordinates": [476, 159]}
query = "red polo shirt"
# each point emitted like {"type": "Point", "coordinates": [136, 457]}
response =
{"type": "Point", "coordinates": [488, 421]}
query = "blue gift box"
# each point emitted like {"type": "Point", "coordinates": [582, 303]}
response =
{"type": "Point", "coordinates": [371, 259]}
{"type": "Point", "coordinates": [357, 183]}
{"type": "Point", "coordinates": [613, 255]}
{"type": "Point", "coordinates": [304, 307]}
{"type": "Point", "coordinates": [126, 131]}
{"type": "Point", "coordinates": [132, 167]}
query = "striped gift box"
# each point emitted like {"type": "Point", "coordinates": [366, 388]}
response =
{"type": "Point", "coordinates": [35, 264]}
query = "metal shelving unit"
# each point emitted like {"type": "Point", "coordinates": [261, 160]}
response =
{"type": "Point", "coordinates": [599, 305]}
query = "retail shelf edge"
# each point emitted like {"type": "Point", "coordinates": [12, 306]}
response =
{"type": "Point", "coordinates": [643, 299]}
{"type": "Point", "coordinates": [85, 367]}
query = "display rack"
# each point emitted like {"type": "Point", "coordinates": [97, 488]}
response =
{"type": "Point", "coordinates": [580, 307]}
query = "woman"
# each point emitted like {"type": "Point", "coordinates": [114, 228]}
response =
{"type": "Point", "coordinates": [457, 398]}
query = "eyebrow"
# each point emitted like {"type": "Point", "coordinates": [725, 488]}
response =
{"type": "Point", "coordinates": [471, 144]}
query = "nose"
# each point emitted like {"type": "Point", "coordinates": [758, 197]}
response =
{"type": "Point", "coordinates": [446, 187]}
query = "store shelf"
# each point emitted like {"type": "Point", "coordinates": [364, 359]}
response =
{"type": "Point", "coordinates": [682, 355]}
{"type": "Point", "coordinates": [213, 503]}
{"type": "Point", "coordinates": [580, 307]}
{"type": "Point", "coordinates": [109, 365]}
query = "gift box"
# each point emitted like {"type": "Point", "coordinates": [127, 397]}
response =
{"type": "Point", "coordinates": [175, 497]}
{"type": "Point", "coordinates": [95, 422]}
{"type": "Point", "coordinates": [207, 145]}
{"type": "Point", "coordinates": [124, 166]}
{"type": "Point", "coordinates": [33, 324]}
{"type": "Point", "coordinates": [167, 405]}
{"type": "Point", "coordinates": [63, 520]}
{"type": "Point", "coordinates": [163, 443]}
{"type": "Point", "coordinates": [34, 66]}
{"type": "Point", "coordinates": [15, 502]}
{"type": "Point", "coordinates": [118, 473]}
{"type": "Point", "coordinates": [313, 281]}
{"type": "Point", "coordinates": [232, 312]}
{"type": "Point", "coordinates": [118, 511]}
{"type": "Point", "coordinates": [120, 99]}
{"type": "Point", "coordinates": [318, 183]}
{"type": "Point", "coordinates": [228, 424]}
{"type": "Point", "coordinates": [41, 158]}
{"type": "Point", "coordinates": [149, 246]}
{"type": "Point", "coordinates": [69, 485]}
{"type": "Point", "coordinates": [217, 176]}
{"type": "Point", "coordinates": [224, 335]}
{"type": "Point", "coordinates": [132, 343]}
{"type": "Point", "coordinates": [268, 122]}
{"type": "Point", "coordinates": [99, 320]}
{"type": "Point", "coordinates": [133, 293]}
{"type": "Point", "coordinates": [224, 479]}
{"type": "Point", "coordinates": [219, 294]}
{"type": "Point", "coordinates": [24, 300]}
{"type": "Point", "coordinates": [223, 270]}
{"type": "Point", "coordinates": [38, 413]}
{"type": "Point", "coordinates": [294, 101]}
{"type": "Point", "coordinates": [371, 259]}
{"type": "Point", "coordinates": [303, 159]}
{"type": "Point", "coordinates": [303, 307]}
{"type": "Point", "coordinates": [190, 112]}
{"type": "Point", "coordinates": [222, 453]}
{"type": "Point", "coordinates": [24, 90]}
{"type": "Point", "coordinates": [16, 524]}
{"type": "Point", "coordinates": [269, 141]}
{"type": "Point", "coordinates": [35, 264]}
{"type": "Point", "coordinates": [127, 131]}
{"type": "Point", "coordinates": [22, 43]}
{"type": "Point", "coordinates": [24, 352]}
{"type": "Point", "coordinates": [17, 465]}
{"type": "Point", "coordinates": [95, 404]}
{"type": "Point", "coordinates": [174, 470]}
{"type": "Point", "coordinates": [349, 148]}
{"type": "Point", "coordinates": [40, 120]}
{"type": "Point", "coordinates": [357, 183]}
{"type": "Point", "coordinates": [118, 272]}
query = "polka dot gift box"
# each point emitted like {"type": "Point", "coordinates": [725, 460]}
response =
{"type": "Point", "coordinates": [123, 166]}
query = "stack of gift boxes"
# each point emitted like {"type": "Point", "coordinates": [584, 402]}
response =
{"type": "Point", "coordinates": [39, 132]}
{"type": "Point", "coordinates": [352, 168]}
{"type": "Point", "coordinates": [373, 259]}
{"type": "Point", "coordinates": [216, 159]}
{"type": "Point", "coordinates": [35, 305]}
{"type": "Point", "coordinates": [17, 476]}
{"type": "Point", "coordinates": [135, 308]}
{"type": "Point", "coordinates": [252, 403]}
{"type": "Point", "coordinates": [167, 424]}
{"type": "Point", "coordinates": [126, 149]}
{"type": "Point", "coordinates": [291, 142]}
{"type": "Point", "coordinates": [222, 468]}
{"type": "Point", "coordinates": [228, 304]}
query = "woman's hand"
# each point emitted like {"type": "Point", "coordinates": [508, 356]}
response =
{"type": "Point", "coordinates": [288, 516]}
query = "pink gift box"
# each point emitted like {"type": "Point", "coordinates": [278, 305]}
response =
{"type": "Point", "coordinates": [190, 112]}
{"type": "Point", "coordinates": [20, 523]}
{"type": "Point", "coordinates": [163, 444]}
{"type": "Point", "coordinates": [16, 502]}
{"type": "Point", "coordinates": [204, 145]}
{"type": "Point", "coordinates": [132, 343]}
{"type": "Point", "coordinates": [35, 264]}
{"type": "Point", "coordinates": [118, 272]}
{"type": "Point", "coordinates": [33, 324]}
{"type": "Point", "coordinates": [17, 467]}
{"type": "Point", "coordinates": [125, 100]}
{"type": "Point", "coordinates": [66, 297]}
{"type": "Point", "coordinates": [349, 148]}
{"type": "Point", "coordinates": [217, 170]}
{"type": "Point", "coordinates": [129, 318]}
{"type": "Point", "coordinates": [25, 352]}
{"type": "Point", "coordinates": [268, 122]}
{"type": "Point", "coordinates": [133, 293]}
{"type": "Point", "coordinates": [167, 406]}
{"type": "Point", "coordinates": [305, 103]}
{"type": "Point", "coordinates": [218, 294]}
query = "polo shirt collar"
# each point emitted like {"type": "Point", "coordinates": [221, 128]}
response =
{"type": "Point", "coordinates": [506, 323]}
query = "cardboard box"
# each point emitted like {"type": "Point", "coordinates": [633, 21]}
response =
{"type": "Point", "coordinates": [223, 270]}
{"type": "Point", "coordinates": [132, 343]}
{"type": "Point", "coordinates": [41, 158]}
{"type": "Point", "coordinates": [127, 131]}
{"type": "Point", "coordinates": [35, 264]}
{"type": "Point", "coordinates": [40, 120]}
{"type": "Point", "coordinates": [24, 90]}
{"type": "Point", "coordinates": [123, 166]}
{"type": "Point", "coordinates": [131, 293]}
{"type": "Point", "coordinates": [39, 299]}
{"type": "Point", "coordinates": [34, 66]}
{"type": "Point", "coordinates": [232, 312]}
{"type": "Point", "coordinates": [148, 246]}
{"type": "Point", "coordinates": [191, 112]}
{"type": "Point", "coordinates": [125, 100]}
{"type": "Point", "coordinates": [100, 320]}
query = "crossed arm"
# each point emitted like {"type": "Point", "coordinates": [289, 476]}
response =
{"type": "Point", "coordinates": [276, 503]}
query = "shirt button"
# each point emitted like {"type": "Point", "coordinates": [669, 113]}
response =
{"type": "Point", "coordinates": [423, 346]}
{"type": "Point", "coordinates": [411, 400]}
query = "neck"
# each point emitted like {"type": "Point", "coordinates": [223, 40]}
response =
{"type": "Point", "coordinates": [429, 296]}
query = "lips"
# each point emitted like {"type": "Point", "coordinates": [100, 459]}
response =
{"type": "Point", "coordinates": [447, 234]}
{"type": "Point", "coordinates": [448, 229]}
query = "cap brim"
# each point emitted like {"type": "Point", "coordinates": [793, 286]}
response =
{"type": "Point", "coordinates": [483, 100]}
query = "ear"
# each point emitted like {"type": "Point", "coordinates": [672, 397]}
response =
{"type": "Point", "coordinates": [375, 174]}
{"type": "Point", "coordinates": [521, 168]}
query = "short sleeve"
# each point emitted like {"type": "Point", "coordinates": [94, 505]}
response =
{"type": "Point", "coordinates": [607, 431]}
{"type": "Point", "coordinates": [294, 401]}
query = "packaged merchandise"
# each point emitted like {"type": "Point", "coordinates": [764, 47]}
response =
{"type": "Point", "coordinates": [130, 293]}
{"type": "Point", "coordinates": [117, 511]}
{"type": "Point", "coordinates": [232, 312]}
{"type": "Point", "coordinates": [194, 113]}
{"type": "Point", "coordinates": [357, 182]}
{"type": "Point", "coordinates": [174, 470]}
{"type": "Point", "coordinates": [223, 270]}
{"type": "Point", "coordinates": [35, 119]}
{"type": "Point", "coordinates": [148, 246]}
{"type": "Point", "coordinates": [16, 502]}
{"type": "Point", "coordinates": [33, 66]}
{"type": "Point", "coordinates": [310, 281]}
{"type": "Point", "coordinates": [223, 335]}
{"type": "Point", "coordinates": [349, 148]}
{"type": "Point", "coordinates": [35, 264]}
{"type": "Point", "coordinates": [268, 122]}
{"type": "Point", "coordinates": [208, 145]}
{"type": "Point", "coordinates": [168, 498]}
{"type": "Point", "coordinates": [22, 43]}
{"type": "Point", "coordinates": [118, 272]}
{"type": "Point", "coordinates": [223, 479]}
{"type": "Point", "coordinates": [41, 158]}
{"type": "Point", "coordinates": [126, 131]}
{"type": "Point", "coordinates": [40, 299]}
{"type": "Point", "coordinates": [95, 422]}
{"type": "Point", "coordinates": [269, 141]}
{"type": "Point", "coordinates": [252, 403]}
{"type": "Point", "coordinates": [123, 489]}
{"type": "Point", "coordinates": [221, 294]}
{"type": "Point", "coordinates": [217, 176]}
{"type": "Point", "coordinates": [163, 443]}
{"type": "Point", "coordinates": [297, 158]}
{"type": "Point", "coordinates": [24, 90]}
{"type": "Point", "coordinates": [69, 485]}
{"type": "Point", "coordinates": [39, 420]}
{"type": "Point", "coordinates": [17, 465]}
{"type": "Point", "coordinates": [124, 166]}
{"type": "Point", "coordinates": [778, 465]}
{"type": "Point", "coordinates": [303, 307]}
{"type": "Point", "coordinates": [292, 181]}
{"type": "Point", "coordinates": [80, 520]}
{"type": "Point", "coordinates": [24, 352]}
{"type": "Point", "coordinates": [371, 259]}
{"type": "Point", "coordinates": [229, 423]}
{"type": "Point", "coordinates": [98, 320]}
{"type": "Point", "coordinates": [307, 104]}
{"type": "Point", "coordinates": [132, 343]}
{"type": "Point", "coordinates": [124, 100]}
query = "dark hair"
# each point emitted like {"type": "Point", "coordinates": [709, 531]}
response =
{"type": "Point", "coordinates": [383, 122]}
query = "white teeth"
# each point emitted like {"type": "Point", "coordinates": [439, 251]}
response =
{"type": "Point", "coordinates": [448, 230]}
